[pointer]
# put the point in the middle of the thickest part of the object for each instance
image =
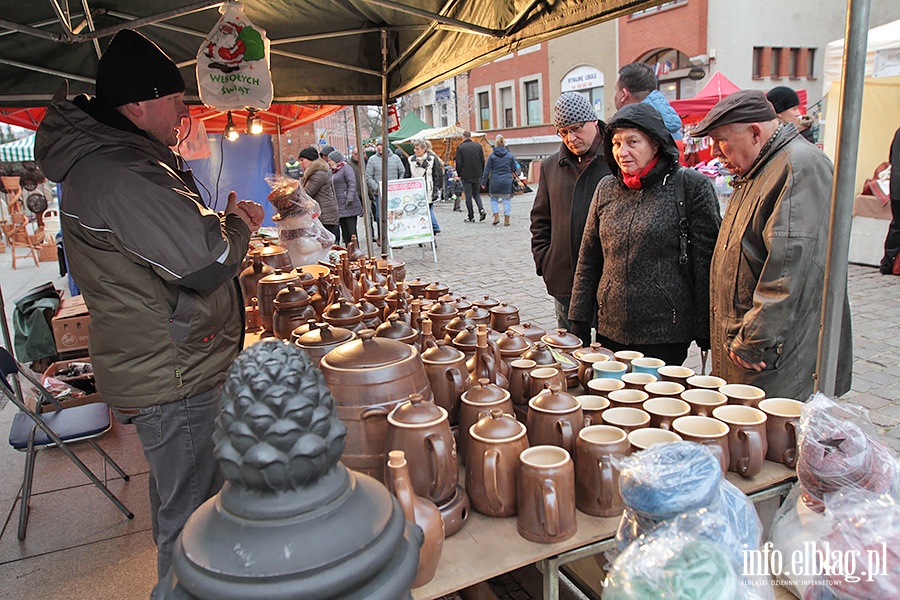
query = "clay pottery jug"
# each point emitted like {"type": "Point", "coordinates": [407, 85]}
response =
{"type": "Point", "coordinates": [377, 276]}
{"type": "Point", "coordinates": [512, 346]}
{"type": "Point", "coordinates": [441, 314]}
{"type": "Point", "coordinates": [457, 326]}
{"type": "Point", "coordinates": [249, 277]}
{"type": "Point", "coordinates": [435, 290]}
{"type": "Point", "coordinates": [292, 309]}
{"type": "Point", "coordinates": [395, 297]}
{"type": "Point", "coordinates": [319, 298]}
{"type": "Point", "coordinates": [492, 463]}
{"type": "Point", "coordinates": [586, 362]}
{"type": "Point", "coordinates": [251, 316]}
{"type": "Point", "coordinates": [343, 314]}
{"type": "Point", "coordinates": [520, 380]}
{"type": "Point", "coordinates": [422, 430]}
{"type": "Point", "coordinates": [529, 330]}
{"type": "Point", "coordinates": [419, 511]}
{"type": "Point", "coordinates": [596, 478]}
{"type": "Point", "coordinates": [267, 289]}
{"type": "Point", "coordinates": [546, 495]}
{"type": "Point", "coordinates": [273, 255]}
{"type": "Point", "coordinates": [485, 362]}
{"type": "Point", "coordinates": [368, 377]}
{"type": "Point", "coordinates": [479, 315]}
{"type": "Point", "coordinates": [386, 264]}
{"type": "Point", "coordinates": [318, 339]}
{"type": "Point", "coordinates": [396, 329]}
{"type": "Point", "coordinates": [417, 287]}
{"type": "Point", "coordinates": [426, 336]}
{"type": "Point", "coordinates": [354, 252]}
{"type": "Point", "coordinates": [782, 424]}
{"type": "Point", "coordinates": [562, 340]}
{"type": "Point", "coordinates": [446, 370]}
{"type": "Point", "coordinates": [554, 418]}
{"type": "Point", "coordinates": [376, 296]}
{"type": "Point", "coordinates": [486, 302]}
{"type": "Point", "coordinates": [504, 315]}
{"type": "Point", "coordinates": [364, 279]}
{"type": "Point", "coordinates": [477, 402]}
{"type": "Point", "coordinates": [371, 315]}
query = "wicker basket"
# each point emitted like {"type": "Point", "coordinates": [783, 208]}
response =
{"type": "Point", "coordinates": [47, 252]}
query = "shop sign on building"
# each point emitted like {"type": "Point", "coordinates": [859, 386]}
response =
{"type": "Point", "coordinates": [582, 78]}
{"type": "Point", "coordinates": [442, 95]}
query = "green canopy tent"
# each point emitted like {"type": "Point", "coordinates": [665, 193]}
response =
{"type": "Point", "coordinates": [20, 150]}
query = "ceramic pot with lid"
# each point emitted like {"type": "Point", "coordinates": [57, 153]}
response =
{"type": "Point", "coordinates": [481, 316]}
{"type": "Point", "coordinates": [554, 418]}
{"type": "Point", "coordinates": [466, 341]}
{"type": "Point", "coordinates": [273, 255]}
{"type": "Point", "coordinates": [249, 277]}
{"type": "Point", "coordinates": [367, 378]}
{"type": "Point", "coordinates": [267, 289]}
{"type": "Point", "coordinates": [441, 314]}
{"type": "Point", "coordinates": [371, 314]}
{"type": "Point", "coordinates": [502, 316]}
{"type": "Point", "coordinates": [417, 287]}
{"type": "Point", "coordinates": [562, 340]}
{"type": "Point", "coordinates": [422, 430]}
{"type": "Point", "coordinates": [512, 345]}
{"type": "Point", "coordinates": [435, 290]}
{"type": "Point", "coordinates": [476, 403]}
{"type": "Point", "coordinates": [495, 443]}
{"type": "Point", "coordinates": [461, 304]}
{"type": "Point", "coordinates": [486, 302]}
{"type": "Point", "coordinates": [385, 264]}
{"type": "Point", "coordinates": [318, 339]}
{"type": "Point", "coordinates": [344, 314]}
{"type": "Point", "coordinates": [446, 370]}
{"type": "Point", "coordinates": [541, 355]}
{"type": "Point", "coordinates": [457, 326]}
{"type": "Point", "coordinates": [291, 310]}
{"type": "Point", "coordinates": [397, 329]}
{"type": "Point", "coordinates": [529, 330]}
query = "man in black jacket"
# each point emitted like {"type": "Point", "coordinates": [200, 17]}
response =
{"type": "Point", "coordinates": [568, 180]}
{"type": "Point", "coordinates": [470, 168]}
{"type": "Point", "coordinates": [892, 241]}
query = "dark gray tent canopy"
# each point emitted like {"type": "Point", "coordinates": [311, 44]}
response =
{"type": "Point", "coordinates": [322, 51]}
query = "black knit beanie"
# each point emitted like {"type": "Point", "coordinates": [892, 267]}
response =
{"type": "Point", "coordinates": [134, 69]}
{"type": "Point", "coordinates": [783, 98]}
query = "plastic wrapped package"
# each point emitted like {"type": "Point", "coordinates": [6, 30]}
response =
{"type": "Point", "coordinates": [795, 532]}
{"type": "Point", "coordinates": [859, 554]}
{"type": "Point", "coordinates": [668, 480]}
{"type": "Point", "coordinates": [678, 560]}
{"type": "Point", "coordinates": [299, 229]}
{"type": "Point", "coordinates": [838, 448]}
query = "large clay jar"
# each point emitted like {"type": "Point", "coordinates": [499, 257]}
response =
{"type": "Point", "coordinates": [318, 339]}
{"type": "Point", "coordinates": [441, 314]}
{"type": "Point", "coordinates": [495, 443]}
{"type": "Point", "coordinates": [343, 314]}
{"type": "Point", "coordinates": [367, 378]}
{"type": "Point", "coordinates": [435, 290]}
{"type": "Point", "coordinates": [529, 330]}
{"type": "Point", "coordinates": [292, 310]}
{"type": "Point", "coordinates": [267, 289]}
{"type": "Point", "coordinates": [249, 277]}
{"type": "Point", "coordinates": [554, 418]}
{"type": "Point", "coordinates": [421, 512]}
{"type": "Point", "coordinates": [446, 370]}
{"type": "Point", "coordinates": [397, 329]}
{"type": "Point", "coordinates": [385, 264]}
{"type": "Point", "coordinates": [512, 345]}
{"type": "Point", "coordinates": [477, 402]}
{"type": "Point", "coordinates": [275, 256]}
{"type": "Point", "coordinates": [502, 316]}
{"type": "Point", "coordinates": [422, 430]}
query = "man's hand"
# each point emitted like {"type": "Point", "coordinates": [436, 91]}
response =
{"type": "Point", "coordinates": [744, 364]}
{"type": "Point", "coordinates": [249, 212]}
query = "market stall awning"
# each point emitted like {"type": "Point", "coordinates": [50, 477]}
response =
{"type": "Point", "coordinates": [20, 150]}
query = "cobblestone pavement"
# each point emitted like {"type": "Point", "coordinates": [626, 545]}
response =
{"type": "Point", "coordinates": [477, 258]}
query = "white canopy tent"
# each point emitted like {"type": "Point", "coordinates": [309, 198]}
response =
{"type": "Point", "coordinates": [885, 37]}
{"type": "Point", "coordinates": [19, 150]}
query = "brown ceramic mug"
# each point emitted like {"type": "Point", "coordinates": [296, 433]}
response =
{"type": "Point", "coordinates": [739, 393]}
{"type": "Point", "coordinates": [626, 418]}
{"type": "Point", "coordinates": [663, 411]}
{"type": "Point", "coordinates": [626, 356]}
{"type": "Point", "coordinates": [641, 439]}
{"type": "Point", "coordinates": [596, 479]}
{"type": "Point", "coordinates": [626, 397]}
{"type": "Point", "coordinates": [637, 381]}
{"type": "Point", "coordinates": [545, 375]}
{"type": "Point", "coordinates": [710, 432]}
{"type": "Point", "coordinates": [705, 382]}
{"type": "Point", "coordinates": [546, 495]}
{"type": "Point", "coordinates": [520, 380]}
{"type": "Point", "coordinates": [746, 438]}
{"type": "Point", "coordinates": [592, 407]}
{"type": "Point", "coordinates": [647, 365]}
{"type": "Point", "coordinates": [663, 389]}
{"type": "Point", "coordinates": [702, 401]}
{"type": "Point", "coordinates": [586, 366]}
{"type": "Point", "coordinates": [492, 467]}
{"type": "Point", "coordinates": [782, 421]}
{"type": "Point", "coordinates": [604, 385]}
{"type": "Point", "coordinates": [675, 374]}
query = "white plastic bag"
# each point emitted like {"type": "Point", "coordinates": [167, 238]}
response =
{"type": "Point", "coordinates": [299, 229]}
{"type": "Point", "coordinates": [233, 63]}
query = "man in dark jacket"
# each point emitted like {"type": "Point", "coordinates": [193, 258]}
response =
{"type": "Point", "coordinates": [770, 258]}
{"type": "Point", "coordinates": [568, 180]}
{"type": "Point", "coordinates": [470, 168]}
{"type": "Point", "coordinates": [892, 241]}
{"type": "Point", "coordinates": [156, 267]}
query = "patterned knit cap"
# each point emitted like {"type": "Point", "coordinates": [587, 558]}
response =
{"type": "Point", "coordinates": [572, 107]}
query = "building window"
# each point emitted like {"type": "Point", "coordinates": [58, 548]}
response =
{"type": "Point", "coordinates": [794, 63]}
{"type": "Point", "coordinates": [484, 110]}
{"type": "Point", "coordinates": [776, 63]}
{"type": "Point", "coordinates": [533, 102]}
{"type": "Point", "coordinates": [757, 62]}
{"type": "Point", "coordinates": [810, 63]}
{"type": "Point", "coordinates": [507, 111]}
{"type": "Point", "coordinates": [653, 9]}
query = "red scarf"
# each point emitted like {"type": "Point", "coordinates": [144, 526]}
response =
{"type": "Point", "coordinates": [633, 181]}
{"type": "Point", "coordinates": [337, 166]}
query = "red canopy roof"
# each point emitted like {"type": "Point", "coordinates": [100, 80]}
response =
{"type": "Point", "coordinates": [290, 115]}
{"type": "Point", "coordinates": [718, 86]}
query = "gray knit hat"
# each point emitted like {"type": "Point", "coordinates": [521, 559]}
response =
{"type": "Point", "coordinates": [572, 107]}
{"type": "Point", "coordinates": [336, 156]}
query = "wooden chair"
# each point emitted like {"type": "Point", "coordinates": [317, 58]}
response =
{"type": "Point", "coordinates": [18, 237]}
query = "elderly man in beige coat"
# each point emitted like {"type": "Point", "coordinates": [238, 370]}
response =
{"type": "Point", "coordinates": [769, 262]}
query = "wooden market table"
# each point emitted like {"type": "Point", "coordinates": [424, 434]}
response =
{"type": "Point", "coordinates": [487, 547]}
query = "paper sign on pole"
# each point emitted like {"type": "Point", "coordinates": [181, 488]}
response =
{"type": "Point", "coordinates": [408, 219]}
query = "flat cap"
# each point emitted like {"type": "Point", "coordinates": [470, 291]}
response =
{"type": "Point", "coordinates": [745, 106]}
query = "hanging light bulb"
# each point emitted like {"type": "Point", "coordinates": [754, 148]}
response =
{"type": "Point", "coordinates": [254, 123]}
{"type": "Point", "coordinates": [231, 132]}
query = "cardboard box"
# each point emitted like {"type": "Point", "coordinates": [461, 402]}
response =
{"type": "Point", "coordinates": [71, 324]}
{"type": "Point", "coordinates": [78, 381]}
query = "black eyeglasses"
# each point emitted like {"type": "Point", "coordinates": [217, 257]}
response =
{"type": "Point", "coordinates": [576, 129]}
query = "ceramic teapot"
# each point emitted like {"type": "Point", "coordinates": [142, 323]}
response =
{"type": "Point", "coordinates": [273, 255]}
{"type": "Point", "coordinates": [441, 314]}
{"type": "Point", "coordinates": [435, 290]}
{"type": "Point", "coordinates": [477, 402]}
{"type": "Point", "coordinates": [512, 346]}
{"type": "Point", "coordinates": [292, 309]}
{"type": "Point", "coordinates": [249, 277]}
{"type": "Point", "coordinates": [555, 418]}
{"type": "Point", "coordinates": [492, 463]}
{"type": "Point", "coordinates": [267, 288]}
{"type": "Point", "coordinates": [446, 370]}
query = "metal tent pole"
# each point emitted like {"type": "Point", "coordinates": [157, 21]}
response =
{"type": "Point", "coordinates": [363, 188]}
{"type": "Point", "coordinates": [8, 343]}
{"type": "Point", "coordinates": [842, 194]}
{"type": "Point", "coordinates": [382, 201]}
